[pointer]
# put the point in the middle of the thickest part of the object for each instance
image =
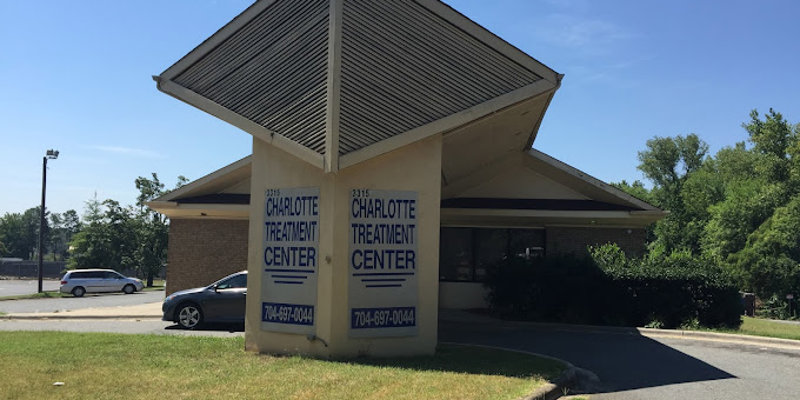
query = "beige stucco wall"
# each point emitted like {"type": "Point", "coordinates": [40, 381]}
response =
{"type": "Point", "coordinates": [518, 181]}
{"type": "Point", "coordinates": [412, 168]}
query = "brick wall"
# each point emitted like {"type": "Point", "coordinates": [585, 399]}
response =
{"type": "Point", "coordinates": [574, 240]}
{"type": "Point", "coordinates": [203, 251]}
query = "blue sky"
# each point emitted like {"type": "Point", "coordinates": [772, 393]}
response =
{"type": "Point", "coordinates": [75, 76]}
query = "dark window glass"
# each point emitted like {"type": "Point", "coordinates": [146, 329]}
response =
{"type": "Point", "coordinates": [235, 282]}
{"type": "Point", "coordinates": [467, 254]}
{"type": "Point", "coordinates": [491, 247]}
{"type": "Point", "coordinates": [111, 275]}
{"type": "Point", "coordinates": [526, 243]}
{"type": "Point", "coordinates": [455, 255]}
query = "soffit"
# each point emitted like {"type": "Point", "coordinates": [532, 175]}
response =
{"type": "Point", "coordinates": [232, 178]}
{"type": "Point", "coordinates": [500, 136]}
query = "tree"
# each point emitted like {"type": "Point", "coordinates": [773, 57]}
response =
{"type": "Point", "coordinates": [20, 233]}
{"type": "Point", "coordinates": [152, 228]}
{"type": "Point", "coordinates": [668, 163]}
{"type": "Point", "coordinates": [635, 189]}
{"type": "Point", "coordinates": [770, 262]}
{"type": "Point", "coordinates": [126, 237]}
{"type": "Point", "coordinates": [739, 209]}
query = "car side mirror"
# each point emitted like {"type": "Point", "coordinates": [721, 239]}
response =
{"type": "Point", "coordinates": [215, 288]}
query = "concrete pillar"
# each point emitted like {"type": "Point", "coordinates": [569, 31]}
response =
{"type": "Point", "coordinates": [411, 172]}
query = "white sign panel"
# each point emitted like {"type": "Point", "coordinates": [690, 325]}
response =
{"type": "Point", "coordinates": [290, 259]}
{"type": "Point", "coordinates": [383, 263]}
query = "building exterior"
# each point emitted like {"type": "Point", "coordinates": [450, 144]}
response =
{"type": "Point", "coordinates": [391, 165]}
{"type": "Point", "coordinates": [554, 208]}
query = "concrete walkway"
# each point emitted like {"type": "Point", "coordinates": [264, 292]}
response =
{"type": "Point", "coordinates": [139, 311]}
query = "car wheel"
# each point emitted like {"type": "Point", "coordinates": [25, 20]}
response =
{"type": "Point", "coordinates": [128, 289]}
{"type": "Point", "coordinates": [189, 316]}
{"type": "Point", "coordinates": [78, 291]}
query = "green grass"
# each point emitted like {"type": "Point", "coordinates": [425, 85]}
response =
{"type": "Point", "coordinates": [763, 327]}
{"type": "Point", "coordinates": [158, 284]}
{"type": "Point", "coordinates": [113, 366]}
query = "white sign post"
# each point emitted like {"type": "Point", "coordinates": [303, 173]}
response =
{"type": "Point", "coordinates": [383, 259]}
{"type": "Point", "coordinates": [290, 260]}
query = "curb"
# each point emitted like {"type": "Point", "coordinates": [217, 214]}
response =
{"type": "Point", "coordinates": [662, 333]}
{"type": "Point", "coordinates": [550, 391]}
{"type": "Point", "coordinates": [727, 337]}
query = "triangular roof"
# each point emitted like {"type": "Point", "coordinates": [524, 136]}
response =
{"type": "Point", "coordinates": [337, 82]}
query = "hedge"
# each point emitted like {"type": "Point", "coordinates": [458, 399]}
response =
{"type": "Point", "coordinates": [578, 290]}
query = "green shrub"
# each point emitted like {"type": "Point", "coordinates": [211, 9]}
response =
{"type": "Point", "coordinates": [610, 289]}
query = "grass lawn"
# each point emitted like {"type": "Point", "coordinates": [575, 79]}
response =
{"type": "Point", "coordinates": [112, 366]}
{"type": "Point", "coordinates": [762, 327]}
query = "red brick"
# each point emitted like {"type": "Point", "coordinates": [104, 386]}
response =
{"type": "Point", "coordinates": [203, 251]}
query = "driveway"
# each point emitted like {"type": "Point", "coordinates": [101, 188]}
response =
{"type": "Point", "coordinates": [631, 366]}
{"type": "Point", "coordinates": [75, 303]}
{"type": "Point", "coordinates": [17, 287]}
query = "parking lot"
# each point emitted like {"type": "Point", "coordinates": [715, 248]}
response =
{"type": "Point", "coordinates": [17, 287]}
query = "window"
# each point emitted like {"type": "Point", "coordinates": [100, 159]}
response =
{"type": "Point", "coordinates": [234, 282]}
{"type": "Point", "coordinates": [111, 275]}
{"type": "Point", "coordinates": [467, 254]}
{"type": "Point", "coordinates": [455, 254]}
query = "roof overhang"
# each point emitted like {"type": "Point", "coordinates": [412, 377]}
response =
{"type": "Point", "coordinates": [338, 82]}
{"type": "Point", "coordinates": [234, 176]}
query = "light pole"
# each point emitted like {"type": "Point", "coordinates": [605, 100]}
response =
{"type": "Point", "coordinates": [51, 155]}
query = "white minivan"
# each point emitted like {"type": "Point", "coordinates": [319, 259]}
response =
{"type": "Point", "coordinates": [82, 281]}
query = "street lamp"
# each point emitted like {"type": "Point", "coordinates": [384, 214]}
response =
{"type": "Point", "coordinates": [51, 155]}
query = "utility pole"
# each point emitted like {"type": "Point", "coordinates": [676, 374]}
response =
{"type": "Point", "coordinates": [52, 155]}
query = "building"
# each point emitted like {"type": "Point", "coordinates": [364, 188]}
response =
{"type": "Point", "coordinates": [550, 207]}
{"type": "Point", "coordinates": [380, 131]}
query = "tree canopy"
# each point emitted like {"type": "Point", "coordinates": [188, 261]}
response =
{"type": "Point", "coordinates": [124, 237]}
{"type": "Point", "coordinates": [738, 208]}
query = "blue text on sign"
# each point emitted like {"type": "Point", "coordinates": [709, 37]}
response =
{"type": "Point", "coordinates": [387, 317]}
{"type": "Point", "coordinates": [290, 256]}
{"type": "Point", "coordinates": [292, 314]}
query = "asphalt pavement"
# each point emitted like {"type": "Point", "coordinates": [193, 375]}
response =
{"type": "Point", "coordinates": [61, 304]}
{"type": "Point", "coordinates": [18, 287]}
{"type": "Point", "coordinates": [631, 366]}
{"type": "Point", "coordinates": [127, 326]}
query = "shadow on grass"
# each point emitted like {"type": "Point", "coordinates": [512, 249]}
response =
{"type": "Point", "coordinates": [448, 358]}
{"type": "Point", "coordinates": [471, 360]}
